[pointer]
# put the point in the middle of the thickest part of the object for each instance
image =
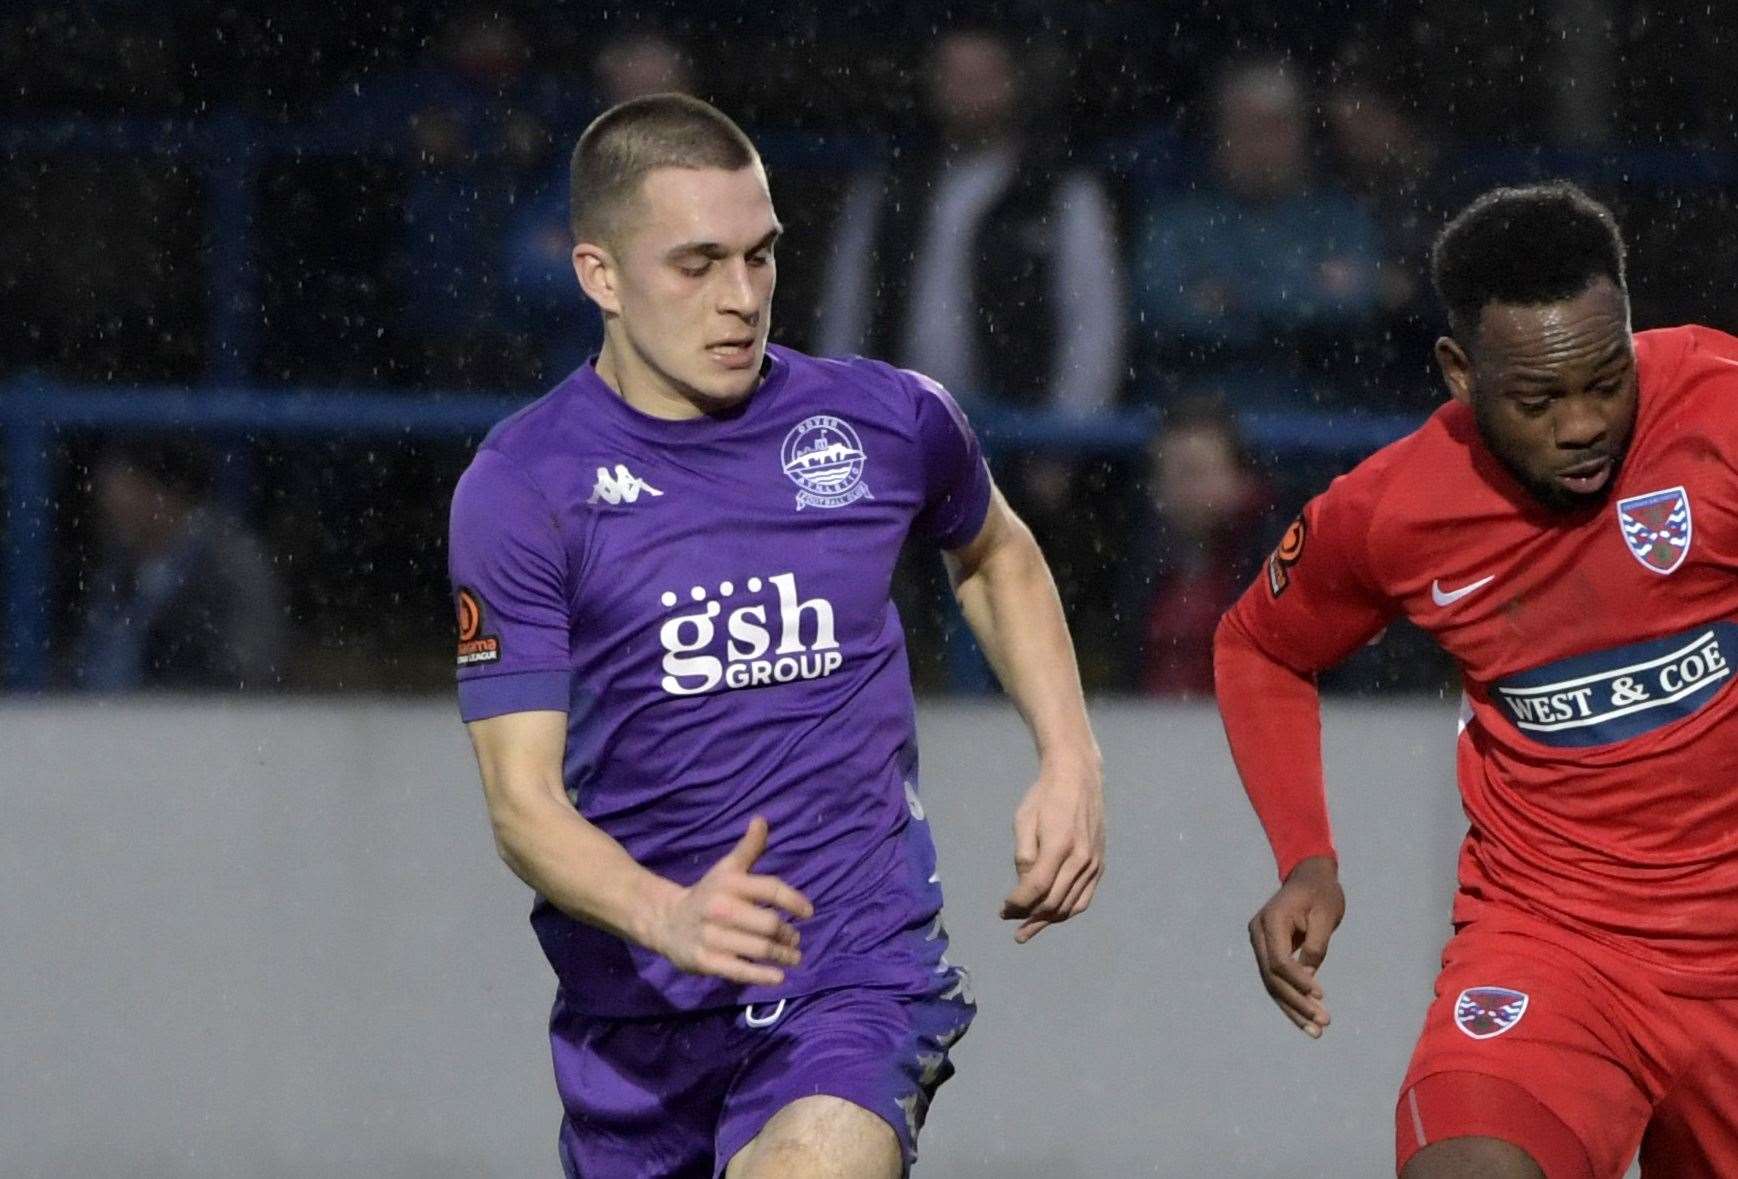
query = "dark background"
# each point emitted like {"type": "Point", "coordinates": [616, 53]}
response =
{"type": "Point", "coordinates": [130, 129]}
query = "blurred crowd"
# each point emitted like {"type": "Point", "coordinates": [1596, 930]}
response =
{"type": "Point", "coordinates": [1083, 209]}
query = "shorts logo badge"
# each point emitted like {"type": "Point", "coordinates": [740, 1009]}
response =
{"type": "Point", "coordinates": [1656, 527]}
{"type": "Point", "coordinates": [824, 457]}
{"type": "Point", "coordinates": [1483, 1012]}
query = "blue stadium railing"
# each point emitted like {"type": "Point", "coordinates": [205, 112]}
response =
{"type": "Point", "coordinates": [35, 413]}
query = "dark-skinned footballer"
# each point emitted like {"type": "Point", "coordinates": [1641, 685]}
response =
{"type": "Point", "coordinates": [1567, 528]}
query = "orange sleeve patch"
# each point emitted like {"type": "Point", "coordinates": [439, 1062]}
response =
{"type": "Point", "coordinates": [1289, 552]}
{"type": "Point", "coordinates": [474, 646]}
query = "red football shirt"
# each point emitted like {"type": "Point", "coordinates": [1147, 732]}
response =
{"type": "Point", "coordinates": [1598, 753]}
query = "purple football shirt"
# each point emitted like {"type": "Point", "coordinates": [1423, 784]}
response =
{"type": "Point", "coordinates": [708, 601]}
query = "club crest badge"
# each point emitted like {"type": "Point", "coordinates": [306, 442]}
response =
{"type": "Point", "coordinates": [824, 457]}
{"type": "Point", "coordinates": [1483, 1012]}
{"type": "Point", "coordinates": [1656, 527]}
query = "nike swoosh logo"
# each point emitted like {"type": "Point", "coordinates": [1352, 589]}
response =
{"type": "Point", "coordinates": [1444, 597]}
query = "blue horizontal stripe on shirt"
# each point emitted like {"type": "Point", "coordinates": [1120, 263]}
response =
{"type": "Point", "coordinates": [1602, 697]}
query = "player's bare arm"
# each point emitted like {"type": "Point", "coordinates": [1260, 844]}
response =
{"type": "Point", "coordinates": [731, 923]}
{"type": "Point", "coordinates": [1009, 599]}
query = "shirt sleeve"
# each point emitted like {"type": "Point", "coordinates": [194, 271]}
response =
{"type": "Point", "coordinates": [1314, 602]}
{"type": "Point", "coordinates": [1316, 599]}
{"type": "Point", "coordinates": [956, 481]}
{"type": "Point", "coordinates": [509, 586]}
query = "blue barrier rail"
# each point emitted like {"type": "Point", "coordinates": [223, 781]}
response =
{"type": "Point", "coordinates": [34, 412]}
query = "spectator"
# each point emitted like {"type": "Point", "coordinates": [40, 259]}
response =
{"type": "Point", "coordinates": [637, 64]}
{"type": "Point", "coordinates": [184, 595]}
{"type": "Point", "coordinates": [1205, 521]}
{"type": "Point", "coordinates": [989, 260]}
{"type": "Point", "coordinates": [984, 258]}
{"type": "Point", "coordinates": [482, 144]}
{"type": "Point", "coordinates": [1391, 163]}
{"type": "Point", "coordinates": [543, 300]}
{"type": "Point", "coordinates": [1263, 265]}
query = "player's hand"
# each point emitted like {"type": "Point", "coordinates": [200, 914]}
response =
{"type": "Point", "coordinates": [728, 923]}
{"type": "Point", "coordinates": [1058, 847]}
{"type": "Point", "coordinates": [1290, 939]}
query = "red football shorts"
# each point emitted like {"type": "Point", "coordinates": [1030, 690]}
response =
{"type": "Point", "coordinates": [1572, 1052]}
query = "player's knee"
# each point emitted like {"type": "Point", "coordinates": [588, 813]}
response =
{"type": "Point", "coordinates": [821, 1138]}
{"type": "Point", "coordinates": [785, 1158]}
{"type": "Point", "coordinates": [1472, 1158]}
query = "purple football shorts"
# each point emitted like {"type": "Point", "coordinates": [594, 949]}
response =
{"type": "Point", "coordinates": [677, 1097]}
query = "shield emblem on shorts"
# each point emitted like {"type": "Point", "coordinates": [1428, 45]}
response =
{"type": "Point", "coordinates": [1483, 1012]}
{"type": "Point", "coordinates": [1656, 527]}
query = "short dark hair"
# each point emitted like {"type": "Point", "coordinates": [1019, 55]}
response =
{"type": "Point", "coordinates": [634, 137]}
{"type": "Point", "coordinates": [1540, 243]}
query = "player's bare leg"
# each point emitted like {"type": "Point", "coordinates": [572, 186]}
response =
{"type": "Point", "coordinates": [1472, 1158]}
{"type": "Point", "coordinates": [821, 1138]}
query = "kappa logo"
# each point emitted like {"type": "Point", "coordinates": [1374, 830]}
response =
{"type": "Point", "coordinates": [823, 456]}
{"type": "Point", "coordinates": [620, 487]}
{"type": "Point", "coordinates": [474, 646]}
{"type": "Point", "coordinates": [1484, 1012]}
{"type": "Point", "coordinates": [1656, 527]}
